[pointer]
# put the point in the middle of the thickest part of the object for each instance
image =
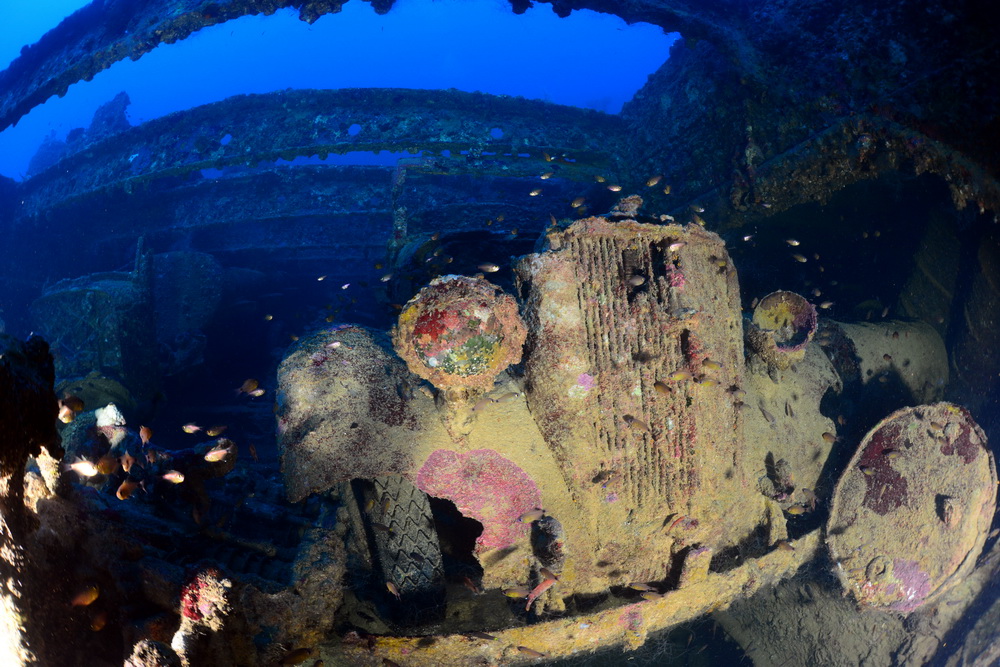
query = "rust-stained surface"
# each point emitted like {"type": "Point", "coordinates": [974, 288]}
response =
{"type": "Point", "coordinates": [911, 513]}
{"type": "Point", "coordinates": [102, 33]}
{"type": "Point", "coordinates": [668, 460]}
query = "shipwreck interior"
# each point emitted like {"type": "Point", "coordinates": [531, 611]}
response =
{"type": "Point", "coordinates": [784, 156]}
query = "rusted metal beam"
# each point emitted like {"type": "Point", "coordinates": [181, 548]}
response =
{"type": "Point", "coordinates": [102, 33]}
{"type": "Point", "coordinates": [252, 130]}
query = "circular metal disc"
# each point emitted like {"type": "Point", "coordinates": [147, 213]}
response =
{"type": "Point", "coordinates": [912, 511]}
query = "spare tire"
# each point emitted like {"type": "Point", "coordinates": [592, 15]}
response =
{"type": "Point", "coordinates": [405, 547]}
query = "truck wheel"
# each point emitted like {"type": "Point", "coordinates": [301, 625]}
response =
{"type": "Point", "coordinates": [404, 543]}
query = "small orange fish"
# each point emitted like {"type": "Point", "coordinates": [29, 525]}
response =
{"type": "Point", "coordinates": [127, 461]}
{"type": "Point", "coordinates": [783, 545]}
{"type": "Point", "coordinates": [640, 587]}
{"type": "Point", "coordinates": [482, 403]}
{"type": "Point", "coordinates": [637, 424]}
{"type": "Point", "coordinates": [795, 510]}
{"type": "Point", "coordinates": [680, 517]}
{"type": "Point", "coordinates": [651, 595]}
{"type": "Point", "coordinates": [145, 434]}
{"type": "Point", "coordinates": [248, 385]}
{"type": "Point", "coordinates": [518, 592]}
{"type": "Point", "coordinates": [215, 431]}
{"type": "Point", "coordinates": [615, 188]}
{"type": "Point", "coordinates": [678, 376]}
{"type": "Point", "coordinates": [578, 202]}
{"type": "Point", "coordinates": [535, 192]}
{"type": "Point", "coordinates": [66, 414]}
{"type": "Point", "coordinates": [829, 437]}
{"type": "Point", "coordinates": [531, 652]}
{"type": "Point", "coordinates": [86, 596]}
{"type": "Point", "coordinates": [191, 428]}
{"type": "Point", "coordinates": [173, 476]}
{"type": "Point", "coordinates": [253, 453]}
{"type": "Point", "coordinates": [107, 464]}
{"type": "Point", "coordinates": [661, 388]}
{"type": "Point", "coordinates": [533, 515]}
{"type": "Point", "coordinates": [84, 468]}
{"type": "Point", "coordinates": [217, 453]}
{"type": "Point", "coordinates": [538, 590]}
{"type": "Point", "coordinates": [471, 585]}
{"type": "Point", "coordinates": [74, 403]}
{"type": "Point", "coordinates": [393, 588]}
{"type": "Point", "coordinates": [258, 392]}
{"type": "Point", "coordinates": [296, 657]}
{"type": "Point", "coordinates": [799, 258]}
{"type": "Point", "coordinates": [653, 180]}
{"type": "Point", "coordinates": [127, 487]}
{"type": "Point", "coordinates": [674, 247]}
{"type": "Point", "coordinates": [488, 268]}
{"type": "Point", "coordinates": [98, 621]}
{"type": "Point", "coordinates": [547, 175]}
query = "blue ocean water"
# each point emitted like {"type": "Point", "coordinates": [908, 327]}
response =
{"type": "Point", "coordinates": [470, 46]}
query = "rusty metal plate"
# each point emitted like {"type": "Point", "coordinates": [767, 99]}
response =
{"type": "Point", "coordinates": [911, 513]}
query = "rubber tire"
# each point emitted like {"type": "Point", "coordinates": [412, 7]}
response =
{"type": "Point", "coordinates": [409, 552]}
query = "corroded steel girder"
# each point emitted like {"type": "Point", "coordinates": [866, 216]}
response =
{"type": "Point", "coordinates": [248, 130]}
{"type": "Point", "coordinates": [102, 33]}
